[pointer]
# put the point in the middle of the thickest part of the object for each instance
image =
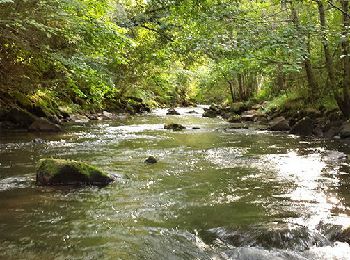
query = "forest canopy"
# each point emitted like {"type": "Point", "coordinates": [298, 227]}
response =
{"type": "Point", "coordinates": [89, 53]}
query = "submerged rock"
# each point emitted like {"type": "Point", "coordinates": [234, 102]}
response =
{"type": "Point", "coordinates": [44, 125]}
{"type": "Point", "coordinates": [279, 124]}
{"type": "Point", "coordinates": [53, 172]}
{"type": "Point", "coordinates": [192, 112]}
{"type": "Point", "coordinates": [151, 160]}
{"type": "Point", "coordinates": [172, 111]}
{"type": "Point", "coordinates": [174, 127]}
{"type": "Point", "coordinates": [303, 127]}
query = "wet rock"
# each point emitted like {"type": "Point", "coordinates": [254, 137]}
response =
{"type": "Point", "coordinates": [80, 119]}
{"type": "Point", "coordinates": [334, 115]}
{"type": "Point", "coordinates": [6, 125]}
{"type": "Point", "coordinates": [44, 125]}
{"type": "Point", "coordinates": [248, 117]}
{"type": "Point", "coordinates": [213, 111]}
{"type": "Point", "coordinates": [174, 127]}
{"type": "Point", "coordinates": [210, 113]}
{"type": "Point", "coordinates": [151, 160]}
{"type": "Point", "coordinates": [172, 111]}
{"type": "Point", "coordinates": [38, 141]}
{"type": "Point", "coordinates": [64, 112]}
{"type": "Point", "coordinates": [304, 127]}
{"type": "Point", "coordinates": [343, 236]}
{"type": "Point", "coordinates": [331, 132]}
{"type": "Point", "coordinates": [53, 172]}
{"type": "Point", "coordinates": [317, 131]}
{"type": "Point", "coordinates": [279, 124]}
{"type": "Point", "coordinates": [107, 115]}
{"type": "Point", "coordinates": [192, 112]}
{"type": "Point", "coordinates": [313, 113]}
{"type": "Point", "coordinates": [345, 130]}
{"type": "Point", "coordinates": [235, 126]}
{"type": "Point", "coordinates": [20, 117]}
{"type": "Point", "coordinates": [95, 117]}
{"type": "Point", "coordinates": [234, 119]}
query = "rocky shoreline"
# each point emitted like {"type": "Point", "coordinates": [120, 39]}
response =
{"type": "Point", "coordinates": [319, 123]}
{"type": "Point", "coordinates": [16, 118]}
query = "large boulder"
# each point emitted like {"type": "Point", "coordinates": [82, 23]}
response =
{"type": "Point", "coordinates": [303, 127]}
{"type": "Point", "coordinates": [52, 172]}
{"type": "Point", "coordinates": [279, 124]}
{"type": "Point", "coordinates": [20, 117]}
{"type": "Point", "coordinates": [174, 127]}
{"type": "Point", "coordinates": [44, 125]}
{"type": "Point", "coordinates": [212, 111]}
{"type": "Point", "coordinates": [238, 107]}
{"type": "Point", "coordinates": [345, 130]}
{"type": "Point", "coordinates": [215, 110]}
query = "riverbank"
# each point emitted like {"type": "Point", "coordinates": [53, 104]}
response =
{"type": "Point", "coordinates": [306, 121]}
{"type": "Point", "coordinates": [23, 114]}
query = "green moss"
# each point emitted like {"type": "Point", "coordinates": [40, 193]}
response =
{"type": "Point", "coordinates": [66, 172]}
{"type": "Point", "coordinates": [22, 99]}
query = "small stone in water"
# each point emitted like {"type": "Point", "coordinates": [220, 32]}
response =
{"type": "Point", "coordinates": [151, 159]}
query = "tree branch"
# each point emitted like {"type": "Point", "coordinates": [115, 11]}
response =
{"type": "Point", "coordinates": [157, 31]}
{"type": "Point", "coordinates": [338, 8]}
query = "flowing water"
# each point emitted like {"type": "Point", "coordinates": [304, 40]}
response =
{"type": "Point", "coordinates": [216, 193]}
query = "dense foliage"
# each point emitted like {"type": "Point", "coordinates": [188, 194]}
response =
{"type": "Point", "coordinates": [92, 53]}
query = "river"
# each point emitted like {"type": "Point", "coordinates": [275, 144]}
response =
{"type": "Point", "coordinates": [216, 193]}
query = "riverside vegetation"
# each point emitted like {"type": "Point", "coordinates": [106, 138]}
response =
{"type": "Point", "coordinates": [59, 58]}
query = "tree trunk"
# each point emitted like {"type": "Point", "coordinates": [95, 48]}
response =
{"type": "Point", "coordinates": [240, 86]}
{"type": "Point", "coordinates": [230, 84]}
{"type": "Point", "coordinates": [313, 87]}
{"type": "Point", "coordinates": [327, 54]}
{"type": "Point", "coordinates": [280, 79]}
{"type": "Point", "coordinates": [346, 59]}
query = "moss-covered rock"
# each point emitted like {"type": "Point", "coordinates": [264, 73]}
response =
{"type": "Point", "coordinates": [67, 172]}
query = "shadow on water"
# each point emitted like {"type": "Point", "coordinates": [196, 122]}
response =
{"type": "Point", "coordinates": [214, 194]}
